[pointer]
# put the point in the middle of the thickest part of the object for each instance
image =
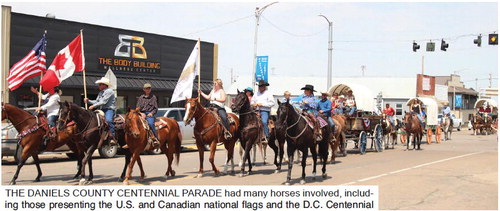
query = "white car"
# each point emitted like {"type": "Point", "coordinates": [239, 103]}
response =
{"type": "Point", "coordinates": [178, 115]}
{"type": "Point", "coordinates": [457, 122]}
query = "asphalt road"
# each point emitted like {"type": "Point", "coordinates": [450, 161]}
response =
{"type": "Point", "coordinates": [459, 174]}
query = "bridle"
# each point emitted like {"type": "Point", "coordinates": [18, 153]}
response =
{"type": "Point", "coordinates": [194, 112]}
{"type": "Point", "coordinates": [285, 122]}
{"type": "Point", "coordinates": [24, 120]}
{"type": "Point", "coordinates": [126, 122]}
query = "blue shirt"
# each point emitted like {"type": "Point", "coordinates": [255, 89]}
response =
{"type": "Point", "coordinates": [307, 103]}
{"type": "Point", "coordinates": [446, 111]}
{"type": "Point", "coordinates": [105, 99]}
{"type": "Point", "coordinates": [326, 106]}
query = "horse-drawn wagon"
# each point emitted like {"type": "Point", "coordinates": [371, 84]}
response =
{"type": "Point", "coordinates": [486, 117]}
{"type": "Point", "coordinates": [364, 123]}
{"type": "Point", "coordinates": [430, 108]}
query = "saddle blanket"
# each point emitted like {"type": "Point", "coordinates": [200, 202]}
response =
{"type": "Point", "coordinates": [322, 122]}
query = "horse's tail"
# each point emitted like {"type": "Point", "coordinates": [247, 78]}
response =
{"type": "Point", "coordinates": [178, 142]}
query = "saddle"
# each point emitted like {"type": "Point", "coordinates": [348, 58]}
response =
{"type": "Point", "coordinates": [310, 121]}
{"type": "Point", "coordinates": [160, 123]}
{"type": "Point", "coordinates": [219, 120]}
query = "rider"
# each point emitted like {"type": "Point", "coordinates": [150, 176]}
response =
{"type": "Point", "coordinates": [351, 102]}
{"type": "Point", "coordinates": [286, 96]}
{"type": "Point", "coordinates": [106, 101]}
{"type": "Point", "coordinates": [217, 98]}
{"type": "Point", "coordinates": [446, 113]}
{"type": "Point", "coordinates": [389, 112]}
{"type": "Point", "coordinates": [263, 101]}
{"type": "Point", "coordinates": [149, 106]}
{"type": "Point", "coordinates": [309, 105]}
{"type": "Point", "coordinates": [325, 108]}
{"type": "Point", "coordinates": [52, 106]}
{"type": "Point", "coordinates": [416, 108]}
{"type": "Point", "coordinates": [249, 92]}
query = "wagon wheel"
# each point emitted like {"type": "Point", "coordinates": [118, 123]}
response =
{"type": "Point", "coordinates": [429, 135]}
{"type": "Point", "coordinates": [378, 138]}
{"type": "Point", "coordinates": [362, 142]}
{"type": "Point", "coordinates": [438, 134]}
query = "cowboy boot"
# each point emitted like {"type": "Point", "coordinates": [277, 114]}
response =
{"type": "Point", "coordinates": [153, 140]}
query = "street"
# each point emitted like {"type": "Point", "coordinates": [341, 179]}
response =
{"type": "Point", "coordinates": [461, 173]}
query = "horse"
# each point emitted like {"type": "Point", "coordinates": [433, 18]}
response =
{"type": "Point", "coordinates": [389, 132]}
{"type": "Point", "coordinates": [250, 127]}
{"type": "Point", "coordinates": [93, 132]}
{"type": "Point", "coordinates": [299, 135]}
{"type": "Point", "coordinates": [209, 130]}
{"type": "Point", "coordinates": [479, 124]}
{"type": "Point", "coordinates": [277, 143]}
{"type": "Point", "coordinates": [447, 127]}
{"type": "Point", "coordinates": [339, 136]}
{"type": "Point", "coordinates": [412, 126]}
{"type": "Point", "coordinates": [136, 135]}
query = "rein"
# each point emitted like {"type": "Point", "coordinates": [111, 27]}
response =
{"type": "Point", "coordinates": [294, 138]}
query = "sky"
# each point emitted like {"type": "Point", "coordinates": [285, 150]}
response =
{"type": "Point", "coordinates": [377, 36]}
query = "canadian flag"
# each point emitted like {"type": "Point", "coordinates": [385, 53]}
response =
{"type": "Point", "coordinates": [68, 61]}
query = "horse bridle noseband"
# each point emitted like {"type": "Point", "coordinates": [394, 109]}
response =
{"type": "Point", "coordinates": [24, 120]}
{"type": "Point", "coordinates": [293, 125]}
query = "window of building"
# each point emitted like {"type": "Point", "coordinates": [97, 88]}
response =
{"type": "Point", "coordinates": [399, 109]}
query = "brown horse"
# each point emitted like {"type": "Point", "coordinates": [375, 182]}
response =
{"type": "Point", "coordinates": [208, 131]}
{"type": "Point", "coordinates": [479, 124]}
{"type": "Point", "coordinates": [389, 132]}
{"type": "Point", "coordinates": [136, 139]}
{"type": "Point", "coordinates": [339, 136]}
{"type": "Point", "coordinates": [412, 126]}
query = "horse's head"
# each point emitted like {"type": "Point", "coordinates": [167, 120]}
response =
{"type": "Point", "coordinates": [65, 115]}
{"type": "Point", "coordinates": [191, 107]}
{"type": "Point", "coordinates": [240, 102]}
{"type": "Point", "coordinates": [133, 122]}
{"type": "Point", "coordinates": [282, 112]}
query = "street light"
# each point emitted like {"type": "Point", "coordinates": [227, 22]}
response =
{"type": "Point", "coordinates": [330, 49]}
{"type": "Point", "coordinates": [258, 12]}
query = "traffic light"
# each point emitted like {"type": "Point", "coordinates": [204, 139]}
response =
{"type": "Point", "coordinates": [493, 39]}
{"type": "Point", "coordinates": [444, 45]}
{"type": "Point", "coordinates": [415, 46]}
{"type": "Point", "coordinates": [431, 46]}
{"type": "Point", "coordinates": [478, 41]}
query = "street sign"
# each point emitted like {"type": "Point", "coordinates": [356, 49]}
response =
{"type": "Point", "coordinates": [261, 68]}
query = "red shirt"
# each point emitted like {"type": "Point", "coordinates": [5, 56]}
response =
{"type": "Point", "coordinates": [389, 111]}
{"type": "Point", "coordinates": [487, 110]}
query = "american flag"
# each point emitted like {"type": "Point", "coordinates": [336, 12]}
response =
{"type": "Point", "coordinates": [30, 66]}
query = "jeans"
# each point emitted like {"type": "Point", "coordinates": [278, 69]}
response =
{"type": "Point", "coordinates": [391, 119]}
{"type": "Point", "coordinates": [110, 114]}
{"type": "Point", "coordinates": [264, 116]}
{"type": "Point", "coordinates": [151, 123]}
{"type": "Point", "coordinates": [330, 122]}
{"type": "Point", "coordinates": [52, 120]}
{"type": "Point", "coordinates": [222, 114]}
{"type": "Point", "coordinates": [353, 109]}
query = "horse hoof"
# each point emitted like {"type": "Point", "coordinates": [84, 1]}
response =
{"type": "Point", "coordinates": [37, 180]}
{"type": "Point", "coordinates": [165, 177]}
{"type": "Point", "coordinates": [126, 183]}
{"type": "Point", "coordinates": [324, 175]}
{"type": "Point", "coordinates": [12, 183]}
{"type": "Point", "coordinates": [242, 174]}
{"type": "Point", "coordinates": [90, 182]}
{"type": "Point", "coordinates": [198, 176]}
{"type": "Point", "coordinates": [314, 176]}
{"type": "Point", "coordinates": [81, 182]}
{"type": "Point", "coordinates": [287, 183]}
{"type": "Point", "coordinates": [302, 181]}
{"type": "Point", "coordinates": [120, 179]}
{"type": "Point", "coordinates": [276, 171]}
{"type": "Point", "coordinates": [172, 173]}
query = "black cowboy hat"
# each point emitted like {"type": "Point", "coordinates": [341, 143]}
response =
{"type": "Point", "coordinates": [263, 83]}
{"type": "Point", "coordinates": [308, 87]}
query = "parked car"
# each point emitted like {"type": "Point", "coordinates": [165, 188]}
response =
{"type": "Point", "coordinates": [9, 144]}
{"type": "Point", "coordinates": [178, 115]}
{"type": "Point", "coordinates": [457, 122]}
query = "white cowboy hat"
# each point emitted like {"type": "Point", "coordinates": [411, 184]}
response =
{"type": "Point", "coordinates": [104, 80]}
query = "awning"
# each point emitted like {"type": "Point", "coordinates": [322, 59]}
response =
{"type": "Point", "coordinates": [124, 83]}
{"type": "Point", "coordinates": [461, 90]}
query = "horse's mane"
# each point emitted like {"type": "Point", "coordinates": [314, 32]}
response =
{"type": "Point", "coordinates": [17, 108]}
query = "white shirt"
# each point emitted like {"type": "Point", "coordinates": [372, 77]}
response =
{"type": "Point", "coordinates": [266, 99]}
{"type": "Point", "coordinates": [216, 95]}
{"type": "Point", "coordinates": [52, 106]}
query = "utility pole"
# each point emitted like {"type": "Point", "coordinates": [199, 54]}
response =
{"type": "Point", "coordinates": [363, 70]}
{"type": "Point", "coordinates": [330, 49]}
{"type": "Point", "coordinates": [490, 81]}
{"type": "Point", "coordinates": [422, 65]}
{"type": "Point", "coordinates": [476, 84]}
{"type": "Point", "coordinates": [258, 13]}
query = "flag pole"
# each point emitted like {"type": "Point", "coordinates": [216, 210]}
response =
{"type": "Point", "coordinates": [84, 78]}
{"type": "Point", "coordinates": [40, 86]}
{"type": "Point", "coordinates": [199, 68]}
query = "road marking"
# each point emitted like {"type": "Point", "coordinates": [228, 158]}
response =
{"type": "Point", "coordinates": [410, 168]}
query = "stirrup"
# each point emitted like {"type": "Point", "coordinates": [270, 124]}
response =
{"type": "Point", "coordinates": [227, 135]}
{"type": "Point", "coordinates": [264, 140]}
{"type": "Point", "coordinates": [113, 142]}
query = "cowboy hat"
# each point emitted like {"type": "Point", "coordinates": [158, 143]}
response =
{"type": "Point", "coordinates": [146, 85]}
{"type": "Point", "coordinates": [325, 93]}
{"type": "Point", "coordinates": [104, 80]}
{"type": "Point", "coordinates": [263, 83]}
{"type": "Point", "coordinates": [308, 87]}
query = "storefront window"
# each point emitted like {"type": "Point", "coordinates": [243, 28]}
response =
{"type": "Point", "coordinates": [399, 109]}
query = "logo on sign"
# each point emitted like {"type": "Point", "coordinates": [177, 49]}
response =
{"type": "Point", "coordinates": [128, 42]}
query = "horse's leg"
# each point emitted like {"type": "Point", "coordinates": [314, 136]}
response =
{"type": "Point", "coordinates": [314, 153]}
{"type": "Point", "coordinates": [408, 134]}
{"type": "Point", "coordinates": [254, 152]}
{"type": "Point", "coordinates": [282, 152]}
{"type": "Point", "coordinates": [201, 150]}
{"type": "Point", "coordinates": [245, 155]}
{"type": "Point", "coordinates": [273, 146]}
{"type": "Point", "coordinates": [211, 159]}
{"type": "Point", "coordinates": [74, 148]}
{"type": "Point", "coordinates": [291, 151]}
{"type": "Point", "coordinates": [20, 164]}
{"type": "Point", "coordinates": [139, 162]}
{"type": "Point", "coordinates": [170, 157]}
{"type": "Point", "coordinates": [37, 163]}
{"type": "Point", "coordinates": [241, 154]}
{"type": "Point", "coordinates": [304, 158]}
{"type": "Point", "coordinates": [128, 155]}
{"type": "Point", "coordinates": [263, 151]}
{"type": "Point", "coordinates": [135, 155]}
{"type": "Point", "coordinates": [323, 152]}
{"type": "Point", "coordinates": [91, 172]}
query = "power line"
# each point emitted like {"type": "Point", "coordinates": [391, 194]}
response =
{"type": "Point", "coordinates": [219, 25]}
{"type": "Point", "coordinates": [293, 34]}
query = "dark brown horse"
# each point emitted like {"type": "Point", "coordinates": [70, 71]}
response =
{"type": "Point", "coordinates": [92, 133]}
{"type": "Point", "coordinates": [277, 143]}
{"type": "Point", "coordinates": [339, 136]}
{"type": "Point", "coordinates": [251, 128]}
{"type": "Point", "coordinates": [300, 136]}
{"type": "Point", "coordinates": [412, 126]}
{"type": "Point", "coordinates": [208, 131]}
{"type": "Point", "coordinates": [67, 136]}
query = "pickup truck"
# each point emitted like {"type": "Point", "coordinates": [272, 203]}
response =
{"type": "Point", "coordinates": [178, 115]}
{"type": "Point", "coordinates": [457, 122]}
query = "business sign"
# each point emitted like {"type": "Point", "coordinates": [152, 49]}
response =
{"type": "Point", "coordinates": [261, 68]}
{"type": "Point", "coordinates": [458, 101]}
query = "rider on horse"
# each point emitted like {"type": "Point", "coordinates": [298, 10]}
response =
{"type": "Point", "coordinates": [263, 101]}
{"type": "Point", "coordinates": [249, 92]}
{"type": "Point", "coordinates": [416, 109]}
{"type": "Point", "coordinates": [149, 106]}
{"type": "Point", "coordinates": [390, 112]}
{"type": "Point", "coordinates": [325, 108]}
{"type": "Point", "coordinates": [309, 106]}
{"type": "Point", "coordinates": [52, 106]}
{"type": "Point", "coordinates": [217, 98]}
{"type": "Point", "coordinates": [446, 113]}
{"type": "Point", "coordinates": [105, 101]}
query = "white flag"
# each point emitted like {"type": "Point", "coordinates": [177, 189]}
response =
{"type": "Point", "coordinates": [184, 87]}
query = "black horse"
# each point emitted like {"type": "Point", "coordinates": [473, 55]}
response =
{"type": "Point", "coordinates": [300, 136]}
{"type": "Point", "coordinates": [93, 131]}
{"type": "Point", "coordinates": [277, 134]}
{"type": "Point", "coordinates": [250, 127]}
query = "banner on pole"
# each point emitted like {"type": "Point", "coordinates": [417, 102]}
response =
{"type": "Point", "coordinates": [261, 69]}
{"type": "Point", "coordinates": [458, 101]}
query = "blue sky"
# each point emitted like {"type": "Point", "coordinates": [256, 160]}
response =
{"type": "Point", "coordinates": [378, 36]}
